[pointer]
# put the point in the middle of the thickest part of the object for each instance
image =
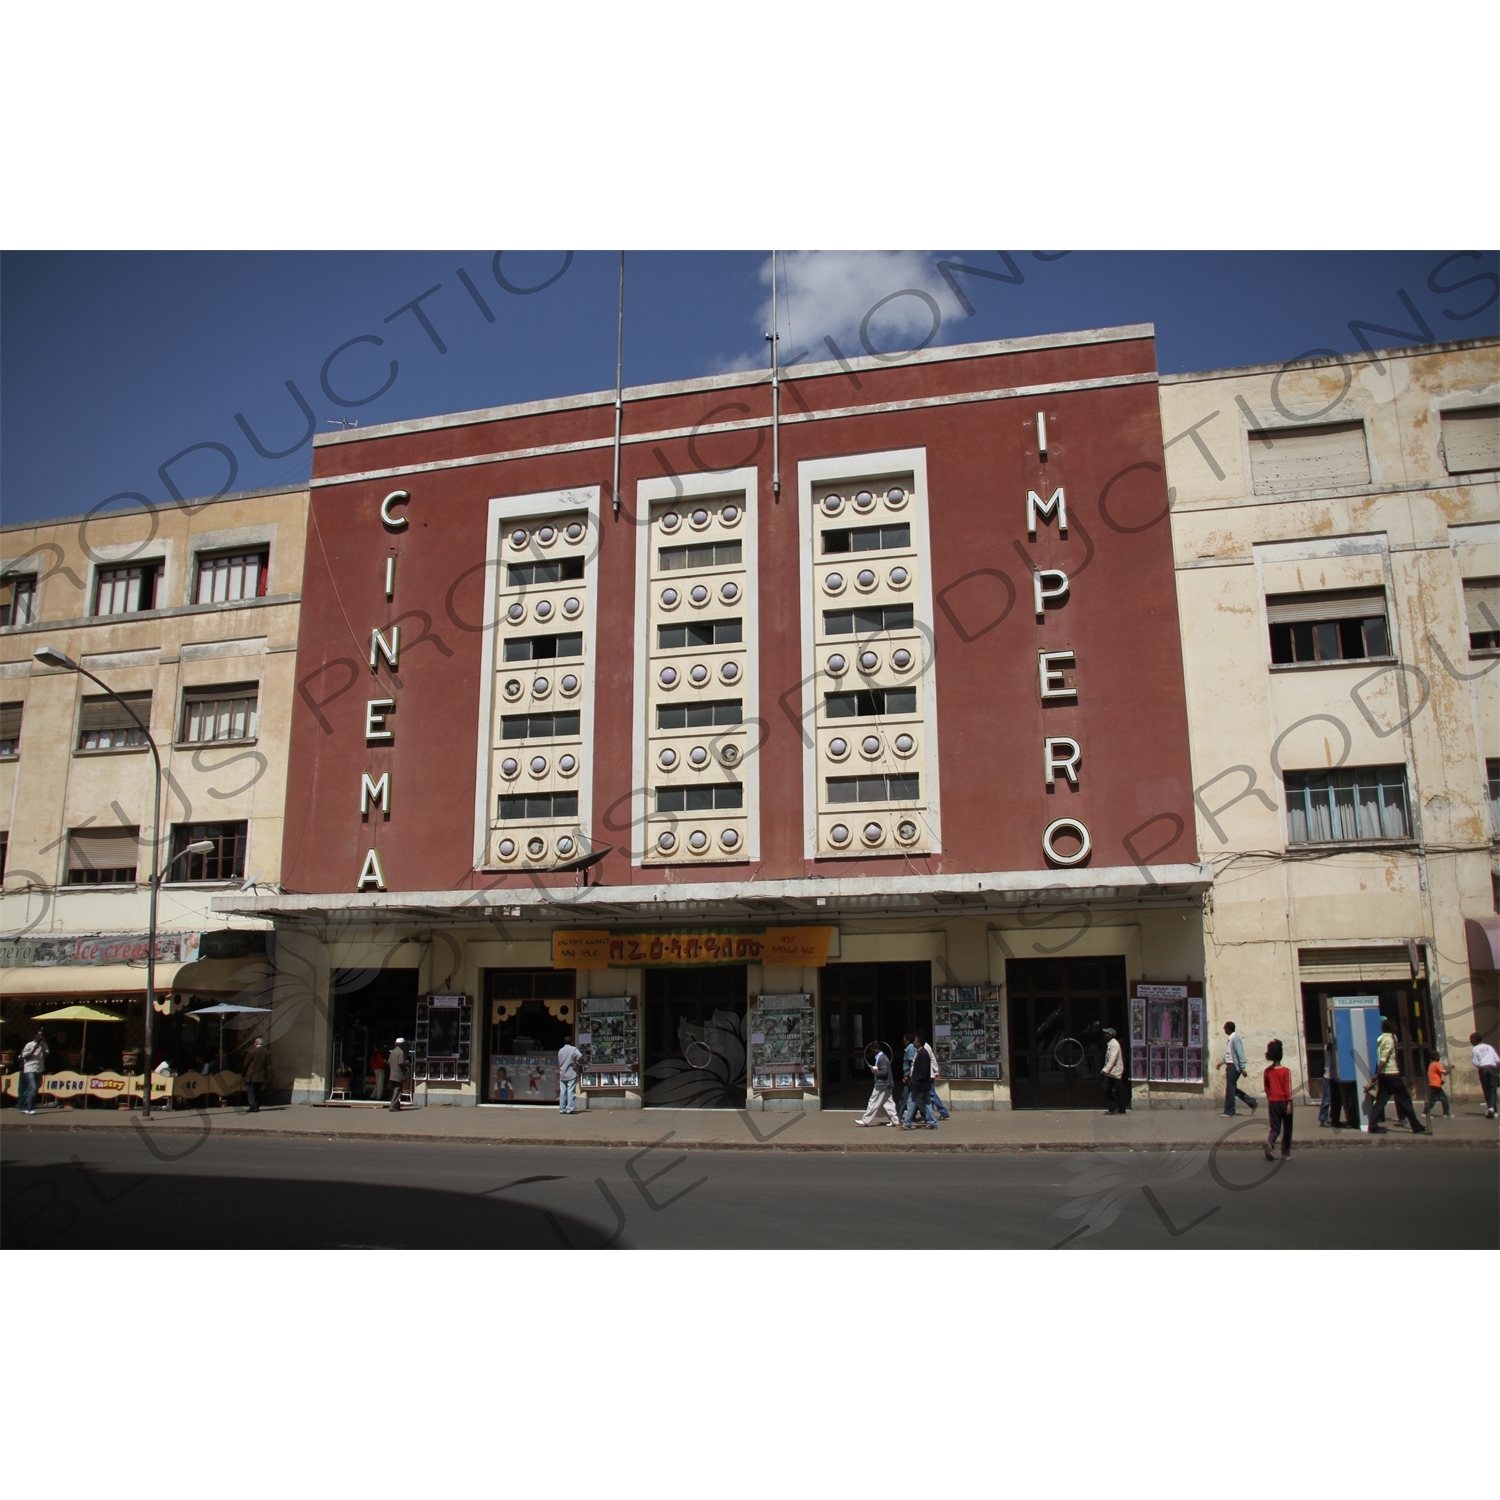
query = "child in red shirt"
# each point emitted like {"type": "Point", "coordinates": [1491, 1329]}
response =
{"type": "Point", "coordinates": [1437, 1071]}
{"type": "Point", "coordinates": [1277, 1082]}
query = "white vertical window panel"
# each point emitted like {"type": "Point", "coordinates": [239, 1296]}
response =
{"type": "Point", "coordinates": [1471, 439]}
{"type": "Point", "coordinates": [1286, 460]}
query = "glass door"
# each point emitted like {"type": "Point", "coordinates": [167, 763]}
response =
{"type": "Point", "coordinates": [694, 1037]}
{"type": "Point", "coordinates": [1058, 1010]}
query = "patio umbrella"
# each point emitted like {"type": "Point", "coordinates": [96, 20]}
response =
{"type": "Point", "coordinates": [228, 1009]}
{"type": "Point", "coordinates": [84, 1013]}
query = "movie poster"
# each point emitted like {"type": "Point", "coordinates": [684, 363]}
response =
{"type": "Point", "coordinates": [526, 1079]}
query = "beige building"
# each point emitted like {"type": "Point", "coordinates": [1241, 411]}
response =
{"type": "Point", "coordinates": [1336, 525]}
{"type": "Point", "coordinates": [190, 613]}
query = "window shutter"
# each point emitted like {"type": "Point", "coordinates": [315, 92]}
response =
{"type": "Point", "coordinates": [1341, 965]}
{"type": "Point", "coordinates": [10, 721]}
{"type": "Point", "coordinates": [1480, 595]}
{"type": "Point", "coordinates": [104, 848]}
{"type": "Point", "coordinates": [1471, 439]}
{"type": "Point", "coordinates": [220, 690]}
{"type": "Point", "coordinates": [1329, 604]}
{"type": "Point", "coordinates": [1287, 459]}
{"type": "Point", "coordinates": [105, 713]}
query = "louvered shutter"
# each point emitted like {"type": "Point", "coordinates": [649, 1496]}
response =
{"type": "Point", "coordinates": [1284, 460]}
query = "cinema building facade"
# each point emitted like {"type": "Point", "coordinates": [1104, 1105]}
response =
{"type": "Point", "coordinates": [855, 706]}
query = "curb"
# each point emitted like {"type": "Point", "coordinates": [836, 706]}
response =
{"type": "Point", "coordinates": [1382, 1143]}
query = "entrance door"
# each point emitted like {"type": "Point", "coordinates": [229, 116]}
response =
{"type": "Point", "coordinates": [863, 1004]}
{"type": "Point", "coordinates": [1059, 1008]}
{"type": "Point", "coordinates": [371, 1008]}
{"type": "Point", "coordinates": [528, 1015]}
{"type": "Point", "coordinates": [694, 1037]}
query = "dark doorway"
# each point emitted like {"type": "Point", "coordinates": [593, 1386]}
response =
{"type": "Point", "coordinates": [528, 1015]}
{"type": "Point", "coordinates": [1059, 1008]}
{"type": "Point", "coordinates": [371, 1008]}
{"type": "Point", "coordinates": [694, 1041]}
{"type": "Point", "coordinates": [1400, 1002]}
{"type": "Point", "coordinates": [862, 1004]}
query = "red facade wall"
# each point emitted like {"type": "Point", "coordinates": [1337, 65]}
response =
{"type": "Point", "coordinates": [1120, 618]}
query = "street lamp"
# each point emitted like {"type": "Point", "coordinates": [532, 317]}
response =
{"type": "Point", "coordinates": [50, 656]}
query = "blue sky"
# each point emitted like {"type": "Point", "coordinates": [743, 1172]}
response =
{"type": "Point", "coordinates": [112, 363]}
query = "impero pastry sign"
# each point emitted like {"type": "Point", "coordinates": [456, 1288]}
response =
{"type": "Point", "coordinates": [786, 947]}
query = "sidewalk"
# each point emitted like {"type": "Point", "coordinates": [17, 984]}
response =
{"type": "Point", "coordinates": [737, 1130]}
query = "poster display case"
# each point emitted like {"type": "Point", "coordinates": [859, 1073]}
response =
{"type": "Point", "coordinates": [966, 1030]}
{"type": "Point", "coordinates": [609, 1038]}
{"type": "Point", "coordinates": [1167, 1032]}
{"type": "Point", "coordinates": [442, 1043]}
{"type": "Point", "coordinates": [783, 1043]}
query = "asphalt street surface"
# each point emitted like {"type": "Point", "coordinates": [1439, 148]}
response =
{"type": "Point", "coordinates": [88, 1190]}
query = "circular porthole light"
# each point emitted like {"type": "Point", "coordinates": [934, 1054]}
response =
{"type": "Point", "coordinates": [869, 747]}
{"type": "Point", "coordinates": [837, 665]}
{"type": "Point", "coordinates": [699, 675]}
{"type": "Point", "coordinates": [699, 594]}
{"type": "Point", "coordinates": [899, 578]}
{"type": "Point", "coordinates": [833, 583]}
{"type": "Point", "coordinates": [516, 612]}
{"type": "Point", "coordinates": [730, 671]}
{"type": "Point", "coordinates": [905, 744]}
{"type": "Point", "coordinates": [697, 841]}
{"type": "Point", "coordinates": [699, 519]}
{"type": "Point", "coordinates": [667, 759]}
{"type": "Point", "coordinates": [869, 661]}
{"type": "Point", "coordinates": [536, 847]}
{"type": "Point", "coordinates": [666, 841]}
{"type": "Point", "coordinates": [540, 687]}
{"type": "Point", "coordinates": [512, 688]}
{"type": "Point", "coordinates": [873, 833]}
{"type": "Point", "coordinates": [865, 578]}
{"type": "Point", "coordinates": [864, 502]}
{"type": "Point", "coordinates": [901, 659]}
{"type": "Point", "coordinates": [838, 835]}
{"type": "Point", "coordinates": [543, 610]}
{"type": "Point", "coordinates": [729, 515]}
{"type": "Point", "coordinates": [565, 846]}
{"type": "Point", "coordinates": [730, 838]}
{"type": "Point", "coordinates": [567, 764]}
{"type": "Point", "coordinates": [574, 531]}
{"type": "Point", "coordinates": [506, 848]}
{"type": "Point", "coordinates": [510, 767]}
{"type": "Point", "coordinates": [895, 497]}
{"type": "Point", "coordinates": [729, 592]}
{"type": "Point", "coordinates": [546, 535]}
{"type": "Point", "coordinates": [667, 677]}
{"type": "Point", "coordinates": [698, 756]}
{"type": "Point", "coordinates": [670, 521]}
{"type": "Point", "coordinates": [569, 684]}
{"type": "Point", "coordinates": [729, 754]}
{"type": "Point", "coordinates": [906, 831]}
{"type": "Point", "coordinates": [838, 747]}
{"type": "Point", "coordinates": [832, 504]}
{"type": "Point", "coordinates": [572, 606]}
{"type": "Point", "coordinates": [518, 538]}
{"type": "Point", "coordinates": [669, 598]}
{"type": "Point", "coordinates": [538, 765]}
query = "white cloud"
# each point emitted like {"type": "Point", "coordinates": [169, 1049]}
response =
{"type": "Point", "coordinates": [830, 294]}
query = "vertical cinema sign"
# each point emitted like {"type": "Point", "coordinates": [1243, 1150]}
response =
{"type": "Point", "coordinates": [385, 644]}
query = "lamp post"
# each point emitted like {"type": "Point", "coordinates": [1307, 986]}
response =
{"type": "Point", "coordinates": [50, 656]}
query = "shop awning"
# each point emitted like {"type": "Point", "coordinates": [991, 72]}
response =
{"type": "Point", "coordinates": [1482, 938]}
{"type": "Point", "coordinates": [208, 976]}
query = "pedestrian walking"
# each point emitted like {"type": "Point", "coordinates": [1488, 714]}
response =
{"type": "Point", "coordinates": [1233, 1064]}
{"type": "Point", "coordinates": [934, 1098]}
{"type": "Point", "coordinates": [377, 1075]}
{"type": "Point", "coordinates": [1113, 1074]}
{"type": "Point", "coordinates": [396, 1062]}
{"type": "Point", "coordinates": [1389, 1084]}
{"type": "Point", "coordinates": [919, 1100]}
{"type": "Point", "coordinates": [1437, 1072]}
{"type": "Point", "coordinates": [257, 1073]}
{"type": "Point", "coordinates": [33, 1065]}
{"type": "Point", "coordinates": [1486, 1063]}
{"type": "Point", "coordinates": [882, 1085]}
{"type": "Point", "coordinates": [568, 1058]}
{"type": "Point", "coordinates": [1276, 1084]}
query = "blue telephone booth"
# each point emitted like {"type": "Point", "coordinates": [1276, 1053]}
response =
{"type": "Point", "coordinates": [1356, 1028]}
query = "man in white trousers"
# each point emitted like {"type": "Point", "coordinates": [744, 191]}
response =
{"type": "Point", "coordinates": [880, 1093]}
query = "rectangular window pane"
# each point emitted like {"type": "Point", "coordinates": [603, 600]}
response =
{"type": "Point", "coordinates": [842, 705]}
{"type": "Point", "coordinates": [730, 795]}
{"type": "Point", "coordinates": [904, 788]}
{"type": "Point", "coordinates": [726, 632]}
{"type": "Point", "coordinates": [731, 711]}
{"type": "Point", "coordinates": [838, 622]}
{"type": "Point", "coordinates": [700, 798]}
{"type": "Point", "coordinates": [901, 700]}
{"type": "Point", "coordinates": [671, 717]}
{"type": "Point", "coordinates": [1377, 641]}
{"type": "Point", "coordinates": [1327, 635]}
{"type": "Point", "coordinates": [671, 798]}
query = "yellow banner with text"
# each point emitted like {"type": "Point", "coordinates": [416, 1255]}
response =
{"type": "Point", "coordinates": [784, 947]}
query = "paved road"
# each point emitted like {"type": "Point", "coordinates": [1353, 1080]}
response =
{"type": "Point", "coordinates": [92, 1190]}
